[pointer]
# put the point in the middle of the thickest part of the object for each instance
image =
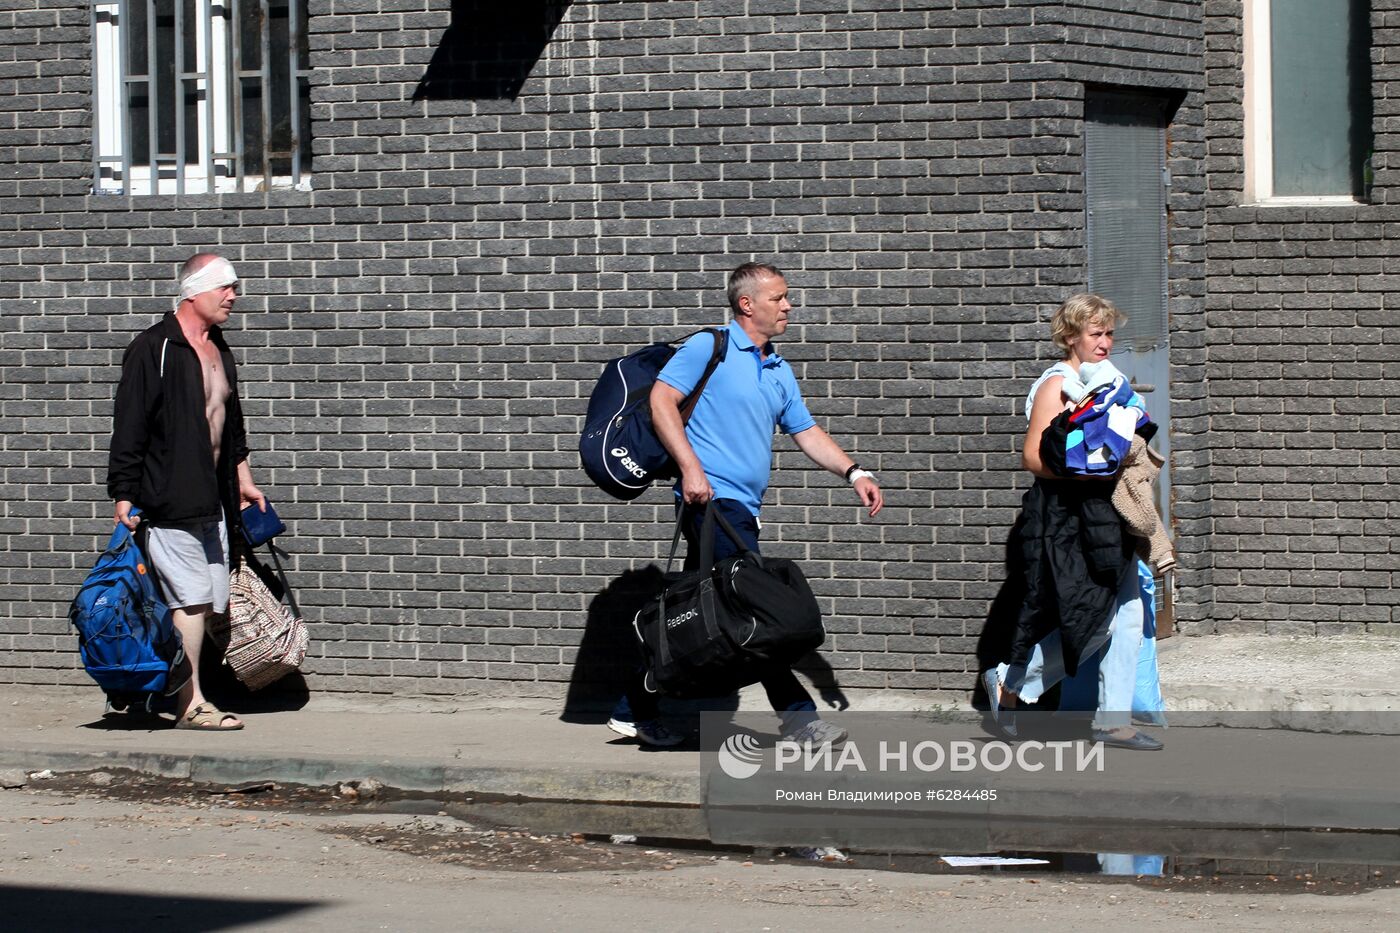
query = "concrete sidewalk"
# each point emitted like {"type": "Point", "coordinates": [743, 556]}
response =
{"type": "Point", "coordinates": [1278, 673]}
{"type": "Point", "coordinates": [501, 746]}
{"type": "Point", "coordinates": [521, 747]}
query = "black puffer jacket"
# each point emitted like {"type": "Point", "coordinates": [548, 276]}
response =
{"type": "Point", "coordinates": [161, 458]}
{"type": "Point", "coordinates": [1073, 551]}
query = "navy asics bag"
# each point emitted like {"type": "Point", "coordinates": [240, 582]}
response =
{"type": "Point", "coordinates": [126, 636]}
{"type": "Point", "coordinates": [619, 449]}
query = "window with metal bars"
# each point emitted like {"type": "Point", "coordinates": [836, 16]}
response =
{"type": "Point", "coordinates": [199, 96]}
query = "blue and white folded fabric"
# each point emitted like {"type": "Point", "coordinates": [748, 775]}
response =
{"type": "Point", "coordinates": [1100, 430]}
{"type": "Point", "coordinates": [1090, 378]}
{"type": "Point", "coordinates": [1077, 382]}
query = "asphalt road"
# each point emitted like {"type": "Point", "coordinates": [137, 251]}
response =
{"type": "Point", "coordinates": [93, 863]}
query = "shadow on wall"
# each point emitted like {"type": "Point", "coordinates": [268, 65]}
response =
{"type": "Point", "coordinates": [999, 630]}
{"type": "Point", "coordinates": [489, 49]}
{"type": "Point", "coordinates": [994, 644]}
{"type": "Point", "coordinates": [609, 654]}
{"type": "Point", "coordinates": [824, 681]}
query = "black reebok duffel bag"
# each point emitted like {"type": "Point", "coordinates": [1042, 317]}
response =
{"type": "Point", "coordinates": [720, 626]}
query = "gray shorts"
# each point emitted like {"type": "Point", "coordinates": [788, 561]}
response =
{"type": "Point", "coordinates": [191, 563]}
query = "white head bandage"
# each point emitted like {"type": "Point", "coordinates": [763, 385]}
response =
{"type": "Point", "coordinates": [215, 274]}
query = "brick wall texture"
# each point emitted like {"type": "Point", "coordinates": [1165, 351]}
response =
{"type": "Point", "coordinates": [1301, 368]}
{"type": "Point", "coordinates": [419, 332]}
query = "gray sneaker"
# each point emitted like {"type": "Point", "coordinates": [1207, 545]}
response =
{"type": "Point", "coordinates": [646, 731]}
{"type": "Point", "coordinates": [816, 734]}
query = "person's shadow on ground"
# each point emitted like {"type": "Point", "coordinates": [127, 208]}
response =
{"type": "Point", "coordinates": [220, 687]}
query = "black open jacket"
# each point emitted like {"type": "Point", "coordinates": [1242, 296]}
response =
{"type": "Point", "coordinates": [161, 458]}
{"type": "Point", "coordinates": [1067, 554]}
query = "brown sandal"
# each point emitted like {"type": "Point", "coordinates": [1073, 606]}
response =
{"type": "Point", "coordinates": [209, 718]}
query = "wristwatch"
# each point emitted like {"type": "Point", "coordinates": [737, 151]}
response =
{"type": "Point", "coordinates": [854, 472]}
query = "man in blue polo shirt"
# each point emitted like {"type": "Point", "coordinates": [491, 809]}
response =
{"type": "Point", "coordinates": [725, 452]}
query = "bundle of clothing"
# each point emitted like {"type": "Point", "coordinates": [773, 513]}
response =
{"type": "Point", "coordinates": [1107, 433]}
{"type": "Point", "coordinates": [1093, 437]}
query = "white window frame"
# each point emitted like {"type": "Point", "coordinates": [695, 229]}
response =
{"type": "Point", "coordinates": [1259, 115]}
{"type": "Point", "coordinates": [216, 158]}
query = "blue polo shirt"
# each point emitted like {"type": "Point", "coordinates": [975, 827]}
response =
{"type": "Point", "coordinates": [731, 428]}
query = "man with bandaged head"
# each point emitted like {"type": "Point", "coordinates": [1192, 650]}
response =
{"type": "Point", "coordinates": [180, 455]}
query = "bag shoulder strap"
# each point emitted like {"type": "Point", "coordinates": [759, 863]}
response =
{"type": "Point", "coordinates": [729, 530]}
{"type": "Point", "coordinates": [707, 537]}
{"type": "Point", "coordinates": [721, 336]}
{"type": "Point", "coordinates": [282, 575]}
{"type": "Point", "coordinates": [713, 516]}
{"type": "Point", "coordinates": [247, 555]}
{"type": "Point", "coordinates": [675, 538]}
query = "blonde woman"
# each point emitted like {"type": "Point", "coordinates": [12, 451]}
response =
{"type": "Point", "coordinates": [1081, 588]}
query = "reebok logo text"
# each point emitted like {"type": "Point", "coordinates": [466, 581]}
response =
{"type": "Point", "coordinates": [682, 618]}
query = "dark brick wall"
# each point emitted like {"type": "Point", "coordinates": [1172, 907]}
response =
{"type": "Point", "coordinates": [45, 106]}
{"type": "Point", "coordinates": [419, 331]}
{"type": "Point", "coordinates": [1154, 48]}
{"type": "Point", "coordinates": [1301, 362]}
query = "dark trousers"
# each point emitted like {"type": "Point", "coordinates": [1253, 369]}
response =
{"type": "Point", "coordinates": [785, 692]}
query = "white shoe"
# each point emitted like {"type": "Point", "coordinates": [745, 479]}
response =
{"type": "Point", "coordinates": [647, 732]}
